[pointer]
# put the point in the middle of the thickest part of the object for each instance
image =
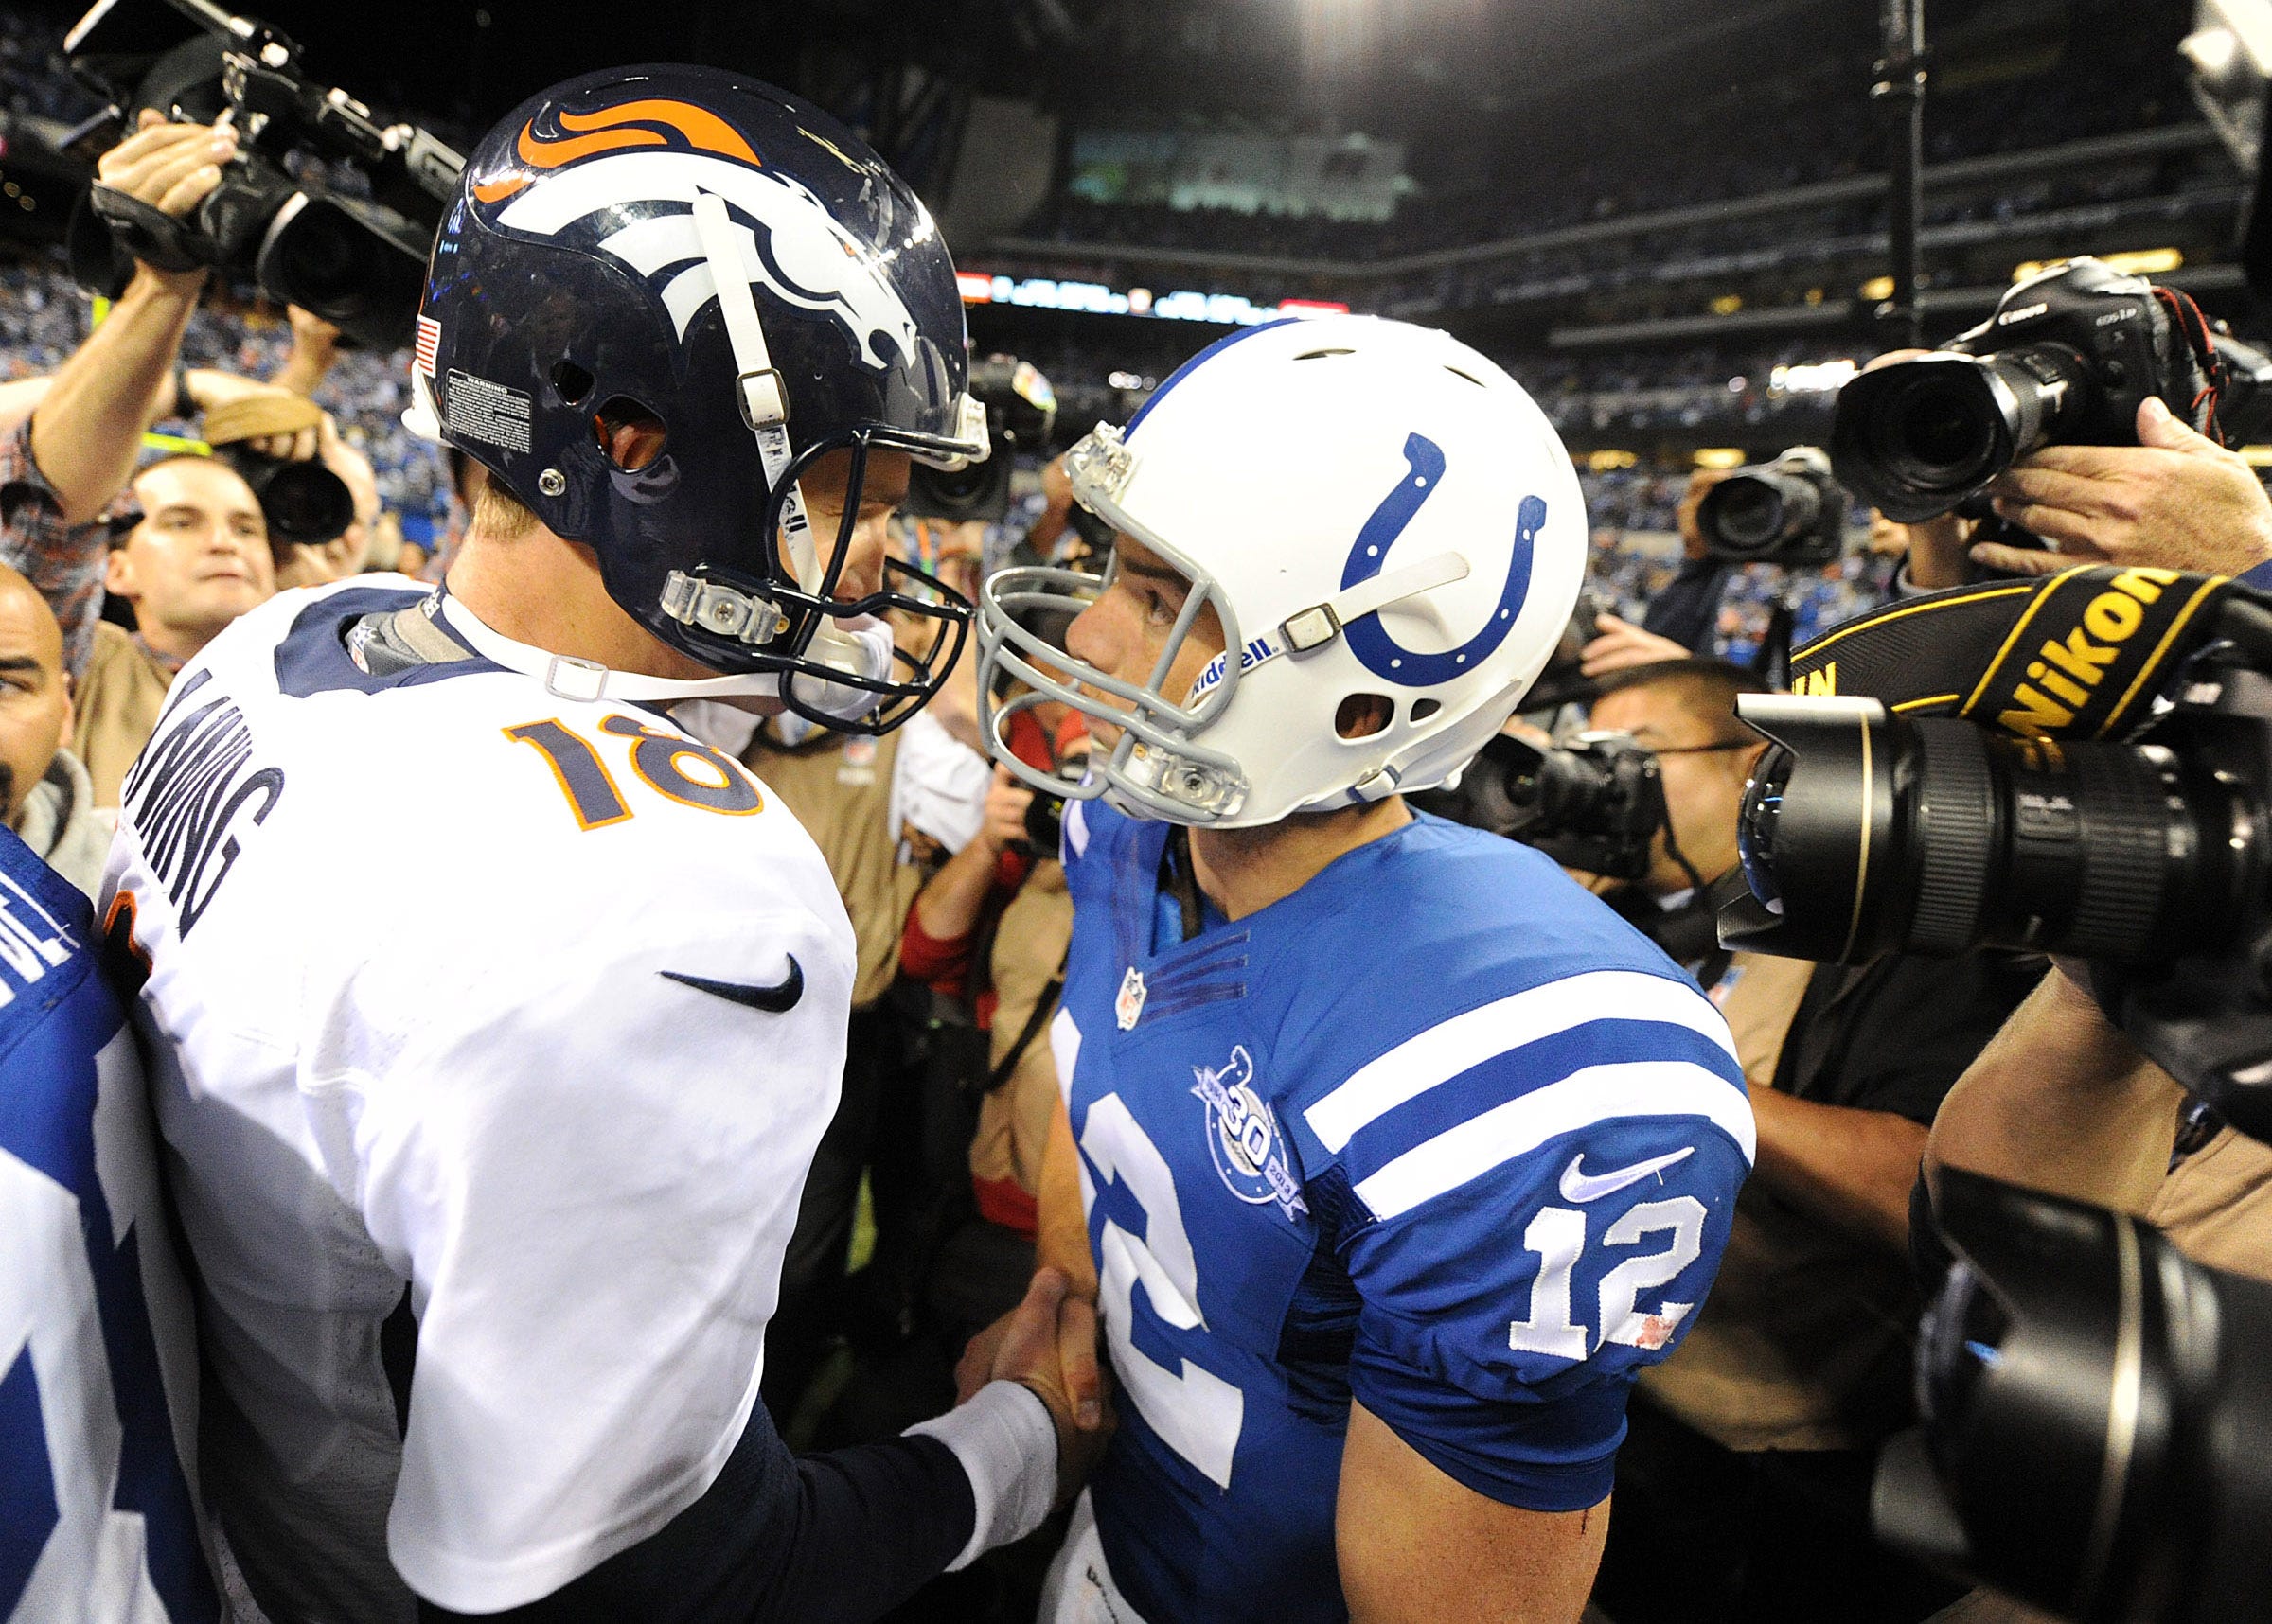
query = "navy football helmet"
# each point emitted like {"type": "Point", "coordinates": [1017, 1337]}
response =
{"type": "Point", "coordinates": [576, 281]}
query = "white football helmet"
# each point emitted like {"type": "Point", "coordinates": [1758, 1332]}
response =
{"type": "Point", "coordinates": [1373, 508]}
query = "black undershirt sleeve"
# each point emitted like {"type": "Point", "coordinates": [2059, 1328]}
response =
{"type": "Point", "coordinates": [826, 1539]}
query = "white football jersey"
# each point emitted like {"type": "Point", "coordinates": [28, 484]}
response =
{"type": "Point", "coordinates": [535, 1007]}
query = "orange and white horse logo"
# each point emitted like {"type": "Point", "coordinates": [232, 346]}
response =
{"type": "Point", "coordinates": [660, 151]}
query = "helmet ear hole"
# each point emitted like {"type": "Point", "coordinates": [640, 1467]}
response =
{"type": "Point", "coordinates": [1423, 708]}
{"type": "Point", "coordinates": [1361, 716]}
{"type": "Point", "coordinates": [572, 383]}
{"type": "Point", "coordinates": [630, 435]}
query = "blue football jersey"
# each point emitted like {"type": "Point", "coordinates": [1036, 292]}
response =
{"type": "Point", "coordinates": [95, 1516]}
{"type": "Point", "coordinates": [1437, 1133]}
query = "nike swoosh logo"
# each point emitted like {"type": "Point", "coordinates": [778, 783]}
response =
{"type": "Point", "coordinates": [778, 999]}
{"type": "Point", "coordinates": [1580, 1186]}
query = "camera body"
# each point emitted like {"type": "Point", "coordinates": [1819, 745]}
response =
{"type": "Point", "coordinates": [1791, 511]}
{"type": "Point", "coordinates": [2067, 358]}
{"type": "Point", "coordinates": [2098, 784]}
{"type": "Point", "coordinates": [357, 260]}
{"type": "Point", "coordinates": [1045, 814]}
{"type": "Point", "coordinates": [1021, 409]}
{"type": "Point", "coordinates": [1594, 804]}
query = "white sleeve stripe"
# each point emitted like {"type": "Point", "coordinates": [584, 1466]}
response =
{"type": "Point", "coordinates": [1628, 1088]}
{"type": "Point", "coordinates": [1445, 1051]}
{"type": "Point", "coordinates": [1073, 837]}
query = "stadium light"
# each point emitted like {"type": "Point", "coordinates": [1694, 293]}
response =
{"type": "Point", "coordinates": [2136, 263]}
{"type": "Point", "coordinates": [2231, 53]}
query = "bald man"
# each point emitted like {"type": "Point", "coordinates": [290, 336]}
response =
{"type": "Point", "coordinates": [45, 794]}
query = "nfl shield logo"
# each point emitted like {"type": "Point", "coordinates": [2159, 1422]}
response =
{"type": "Point", "coordinates": [1130, 1002]}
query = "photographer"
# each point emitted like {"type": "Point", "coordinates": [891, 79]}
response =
{"type": "Point", "coordinates": [2176, 500]}
{"type": "Point", "coordinates": [1682, 617]}
{"type": "Point", "coordinates": [2061, 1101]}
{"type": "Point", "coordinates": [1744, 1481]}
{"type": "Point", "coordinates": [186, 544]}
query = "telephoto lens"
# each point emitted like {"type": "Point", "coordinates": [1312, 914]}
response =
{"type": "Point", "coordinates": [1863, 832]}
{"type": "Point", "coordinates": [1918, 437]}
{"type": "Point", "coordinates": [1789, 511]}
{"type": "Point", "coordinates": [2095, 1407]}
{"type": "Point", "coordinates": [2069, 356]}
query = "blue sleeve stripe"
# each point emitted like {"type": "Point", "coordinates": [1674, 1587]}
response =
{"type": "Point", "coordinates": [1582, 1100]}
{"type": "Point", "coordinates": [1433, 1057]}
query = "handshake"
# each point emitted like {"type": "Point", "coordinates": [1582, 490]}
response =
{"type": "Point", "coordinates": [1048, 1345]}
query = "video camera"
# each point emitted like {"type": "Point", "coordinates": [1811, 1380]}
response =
{"type": "Point", "coordinates": [1790, 512]}
{"type": "Point", "coordinates": [2083, 765]}
{"type": "Point", "coordinates": [2067, 358]}
{"type": "Point", "coordinates": [1020, 411]}
{"type": "Point", "coordinates": [357, 261]}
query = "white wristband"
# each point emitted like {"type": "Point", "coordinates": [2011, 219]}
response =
{"type": "Point", "coordinates": [1008, 1445]}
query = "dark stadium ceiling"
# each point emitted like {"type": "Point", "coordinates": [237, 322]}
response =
{"type": "Point", "coordinates": [1423, 70]}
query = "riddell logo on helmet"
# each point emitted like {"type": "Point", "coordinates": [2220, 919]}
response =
{"type": "Point", "coordinates": [663, 151]}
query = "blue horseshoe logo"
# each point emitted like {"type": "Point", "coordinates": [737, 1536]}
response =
{"type": "Point", "coordinates": [1380, 653]}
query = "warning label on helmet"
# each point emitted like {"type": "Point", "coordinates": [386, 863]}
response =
{"type": "Point", "coordinates": [491, 413]}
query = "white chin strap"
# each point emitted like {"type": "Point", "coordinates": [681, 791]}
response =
{"type": "Point", "coordinates": [863, 647]}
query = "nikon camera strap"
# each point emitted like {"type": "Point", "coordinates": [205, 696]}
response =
{"type": "Point", "coordinates": [2081, 654]}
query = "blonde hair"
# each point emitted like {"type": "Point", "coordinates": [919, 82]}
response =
{"type": "Point", "coordinates": [499, 515]}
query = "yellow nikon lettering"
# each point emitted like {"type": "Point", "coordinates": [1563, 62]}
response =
{"type": "Point", "coordinates": [2058, 685]}
{"type": "Point", "coordinates": [1824, 682]}
{"type": "Point", "coordinates": [2072, 667]}
{"type": "Point", "coordinates": [2144, 582]}
{"type": "Point", "coordinates": [2113, 616]}
{"type": "Point", "coordinates": [2080, 658]}
{"type": "Point", "coordinates": [2037, 714]}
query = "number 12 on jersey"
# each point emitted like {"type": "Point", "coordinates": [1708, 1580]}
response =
{"type": "Point", "coordinates": [1557, 1234]}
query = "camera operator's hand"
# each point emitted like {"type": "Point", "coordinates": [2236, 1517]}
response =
{"type": "Point", "coordinates": [1007, 801]}
{"type": "Point", "coordinates": [172, 168]}
{"type": "Point", "coordinates": [87, 430]}
{"type": "Point", "coordinates": [1622, 644]}
{"type": "Point", "coordinates": [314, 348]}
{"type": "Point", "coordinates": [2175, 500]}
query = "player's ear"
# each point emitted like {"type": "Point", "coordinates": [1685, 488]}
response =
{"type": "Point", "coordinates": [1361, 716]}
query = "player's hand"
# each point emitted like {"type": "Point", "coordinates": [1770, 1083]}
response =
{"type": "Point", "coordinates": [1007, 801]}
{"type": "Point", "coordinates": [2176, 500]}
{"type": "Point", "coordinates": [1048, 1343]}
{"type": "Point", "coordinates": [172, 168]}
{"type": "Point", "coordinates": [1622, 644]}
{"type": "Point", "coordinates": [1080, 1371]}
